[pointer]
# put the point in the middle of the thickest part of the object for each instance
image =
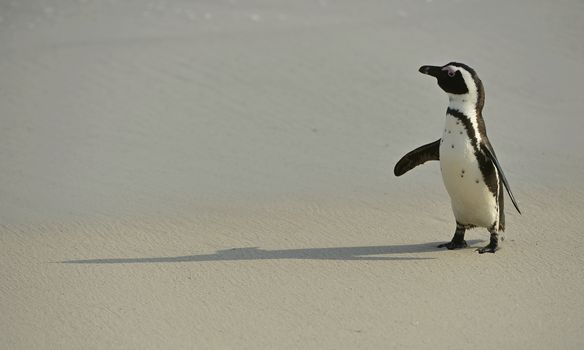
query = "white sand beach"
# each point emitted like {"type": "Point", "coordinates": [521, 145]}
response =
{"type": "Point", "coordinates": [219, 175]}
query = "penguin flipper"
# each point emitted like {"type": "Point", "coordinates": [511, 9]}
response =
{"type": "Point", "coordinates": [417, 157]}
{"type": "Point", "coordinates": [488, 150]}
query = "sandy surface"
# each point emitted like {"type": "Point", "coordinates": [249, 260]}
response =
{"type": "Point", "coordinates": [218, 175]}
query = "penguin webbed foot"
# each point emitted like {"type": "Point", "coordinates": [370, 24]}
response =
{"type": "Point", "coordinates": [493, 243]}
{"type": "Point", "coordinates": [457, 241]}
{"type": "Point", "coordinates": [491, 248]}
{"type": "Point", "coordinates": [454, 245]}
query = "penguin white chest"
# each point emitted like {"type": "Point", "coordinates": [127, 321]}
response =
{"type": "Point", "coordinates": [472, 201]}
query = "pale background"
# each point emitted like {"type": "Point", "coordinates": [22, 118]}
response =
{"type": "Point", "coordinates": [219, 175]}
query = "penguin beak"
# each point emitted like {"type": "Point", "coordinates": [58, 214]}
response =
{"type": "Point", "coordinates": [430, 70]}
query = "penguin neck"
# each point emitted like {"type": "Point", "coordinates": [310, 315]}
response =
{"type": "Point", "coordinates": [465, 103]}
{"type": "Point", "coordinates": [468, 109]}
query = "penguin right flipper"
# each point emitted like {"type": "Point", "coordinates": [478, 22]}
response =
{"type": "Point", "coordinates": [417, 157]}
{"type": "Point", "coordinates": [488, 150]}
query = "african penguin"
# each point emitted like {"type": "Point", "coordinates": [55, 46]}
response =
{"type": "Point", "coordinates": [470, 170]}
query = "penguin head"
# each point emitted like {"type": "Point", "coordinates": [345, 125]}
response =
{"type": "Point", "coordinates": [456, 79]}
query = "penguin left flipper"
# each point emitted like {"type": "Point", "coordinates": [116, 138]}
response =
{"type": "Point", "coordinates": [417, 157]}
{"type": "Point", "coordinates": [488, 150]}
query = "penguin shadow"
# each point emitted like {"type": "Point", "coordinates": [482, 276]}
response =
{"type": "Point", "coordinates": [364, 253]}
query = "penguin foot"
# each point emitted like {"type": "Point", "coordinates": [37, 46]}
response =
{"type": "Point", "coordinates": [493, 243]}
{"type": "Point", "coordinates": [454, 245]}
{"type": "Point", "coordinates": [491, 248]}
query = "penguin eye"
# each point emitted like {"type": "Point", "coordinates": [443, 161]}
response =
{"type": "Point", "coordinates": [451, 72]}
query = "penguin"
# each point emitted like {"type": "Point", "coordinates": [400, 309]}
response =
{"type": "Point", "coordinates": [471, 173]}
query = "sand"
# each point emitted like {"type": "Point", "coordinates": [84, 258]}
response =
{"type": "Point", "coordinates": [218, 175]}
